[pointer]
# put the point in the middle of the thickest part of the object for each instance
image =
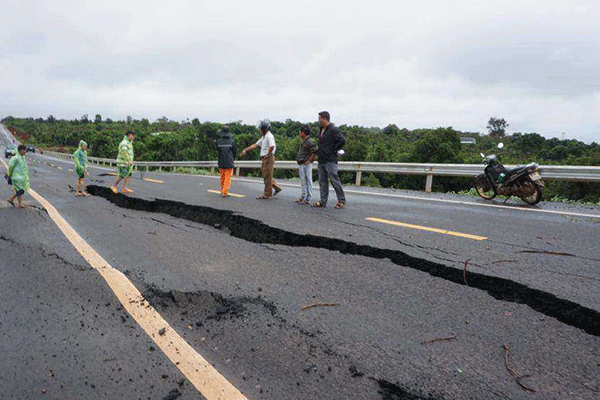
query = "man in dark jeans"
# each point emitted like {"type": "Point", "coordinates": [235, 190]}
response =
{"type": "Point", "coordinates": [330, 142]}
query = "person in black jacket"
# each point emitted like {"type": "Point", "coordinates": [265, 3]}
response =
{"type": "Point", "coordinates": [226, 151]}
{"type": "Point", "coordinates": [330, 142]}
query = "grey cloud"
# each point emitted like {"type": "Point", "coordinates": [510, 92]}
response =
{"type": "Point", "coordinates": [22, 44]}
{"type": "Point", "coordinates": [207, 62]}
{"type": "Point", "coordinates": [552, 68]}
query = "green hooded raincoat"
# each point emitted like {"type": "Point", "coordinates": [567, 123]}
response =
{"type": "Point", "coordinates": [80, 158]}
{"type": "Point", "coordinates": [125, 157]}
{"type": "Point", "coordinates": [18, 172]}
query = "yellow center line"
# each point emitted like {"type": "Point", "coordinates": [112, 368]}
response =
{"type": "Point", "coordinates": [425, 228]}
{"type": "Point", "coordinates": [196, 369]}
{"type": "Point", "coordinates": [59, 167]}
{"type": "Point", "coordinates": [230, 194]}
{"type": "Point", "coordinates": [152, 180]}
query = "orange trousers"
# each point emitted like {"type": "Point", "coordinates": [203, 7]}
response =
{"type": "Point", "coordinates": [225, 179]}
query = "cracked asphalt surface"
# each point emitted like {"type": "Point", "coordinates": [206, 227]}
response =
{"type": "Point", "coordinates": [239, 302]}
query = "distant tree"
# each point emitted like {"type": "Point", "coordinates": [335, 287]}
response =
{"type": "Point", "coordinates": [527, 144]}
{"type": "Point", "coordinates": [441, 145]}
{"type": "Point", "coordinates": [98, 119]}
{"type": "Point", "coordinates": [497, 127]}
{"type": "Point", "coordinates": [51, 119]}
{"type": "Point", "coordinates": [196, 122]}
{"type": "Point", "coordinates": [109, 121]}
{"type": "Point", "coordinates": [129, 120]}
{"type": "Point", "coordinates": [391, 129]}
{"type": "Point", "coordinates": [84, 119]}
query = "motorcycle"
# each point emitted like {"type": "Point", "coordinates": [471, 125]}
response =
{"type": "Point", "coordinates": [523, 181]}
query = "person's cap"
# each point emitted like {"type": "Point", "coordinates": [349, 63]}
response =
{"type": "Point", "coordinates": [225, 131]}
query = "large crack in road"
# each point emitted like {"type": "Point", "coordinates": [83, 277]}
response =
{"type": "Point", "coordinates": [255, 231]}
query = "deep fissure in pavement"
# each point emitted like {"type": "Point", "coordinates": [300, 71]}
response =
{"type": "Point", "coordinates": [255, 231]}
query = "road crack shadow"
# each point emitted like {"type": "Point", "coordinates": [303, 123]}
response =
{"type": "Point", "coordinates": [255, 231]}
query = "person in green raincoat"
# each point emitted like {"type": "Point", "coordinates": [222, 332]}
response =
{"type": "Point", "coordinates": [18, 172]}
{"type": "Point", "coordinates": [124, 163]}
{"type": "Point", "coordinates": [80, 158]}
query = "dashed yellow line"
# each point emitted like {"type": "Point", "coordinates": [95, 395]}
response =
{"type": "Point", "coordinates": [425, 228]}
{"type": "Point", "coordinates": [152, 180]}
{"type": "Point", "coordinates": [59, 167]}
{"type": "Point", "coordinates": [231, 194]}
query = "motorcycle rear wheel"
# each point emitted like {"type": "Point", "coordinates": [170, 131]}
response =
{"type": "Point", "coordinates": [535, 197]}
{"type": "Point", "coordinates": [484, 189]}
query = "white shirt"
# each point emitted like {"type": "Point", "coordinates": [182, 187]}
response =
{"type": "Point", "coordinates": [265, 143]}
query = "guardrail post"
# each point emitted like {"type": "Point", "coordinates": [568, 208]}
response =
{"type": "Point", "coordinates": [237, 172]}
{"type": "Point", "coordinates": [212, 170]}
{"type": "Point", "coordinates": [428, 183]}
{"type": "Point", "coordinates": [358, 175]}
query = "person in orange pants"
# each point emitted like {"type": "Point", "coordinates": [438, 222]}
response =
{"type": "Point", "coordinates": [226, 174]}
{"type": "Point", "coordinates": [226, 150]}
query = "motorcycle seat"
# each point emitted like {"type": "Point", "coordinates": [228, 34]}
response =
{"type": "Point", "coordinates": [513, 171]}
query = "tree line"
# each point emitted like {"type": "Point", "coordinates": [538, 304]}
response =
{"type": "Point", "coordinates": [168, 140]}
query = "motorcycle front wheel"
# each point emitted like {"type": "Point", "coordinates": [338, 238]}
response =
{"type": "Point", "coordinates": [536, 193]}
{"type": "Point", "coordinates": [484, 189]}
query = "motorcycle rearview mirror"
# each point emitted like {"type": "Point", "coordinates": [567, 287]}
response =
{"type": "Point", "coordinates": [500, 145]}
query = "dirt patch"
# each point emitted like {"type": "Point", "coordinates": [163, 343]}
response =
{"type": "Point", "coordinates": [201, 306]}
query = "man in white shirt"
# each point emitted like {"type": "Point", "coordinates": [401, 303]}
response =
{"type": "Point", "coordinates": [267, 155]}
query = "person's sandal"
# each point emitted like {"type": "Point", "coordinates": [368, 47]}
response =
{"type": "Point", "coordinates": [114, 190]}
{"type": "Point", "coordinates": [318, 204]}
{"type": "Point", "coordinates": [277, 192]}
{"type": "Point", "coordinates": [340, 205]}
{"type": "Point", "coordinates": [263, 197]}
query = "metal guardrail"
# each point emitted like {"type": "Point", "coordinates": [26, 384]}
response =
{"type": "Point", "coordinates": [556, 172]}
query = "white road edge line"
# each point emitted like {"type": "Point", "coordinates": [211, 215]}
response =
{"type": "Point", "coordinates": [402, 196]}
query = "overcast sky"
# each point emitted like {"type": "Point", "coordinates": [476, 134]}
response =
{"type": "Point", "coordinates": [372, 63]}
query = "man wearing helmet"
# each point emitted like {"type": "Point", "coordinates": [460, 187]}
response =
{"type": "Point", "coordinates": [267, 155]}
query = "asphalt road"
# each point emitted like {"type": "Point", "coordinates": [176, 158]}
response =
{"type": "Point", "coordinates": [231, 275]}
